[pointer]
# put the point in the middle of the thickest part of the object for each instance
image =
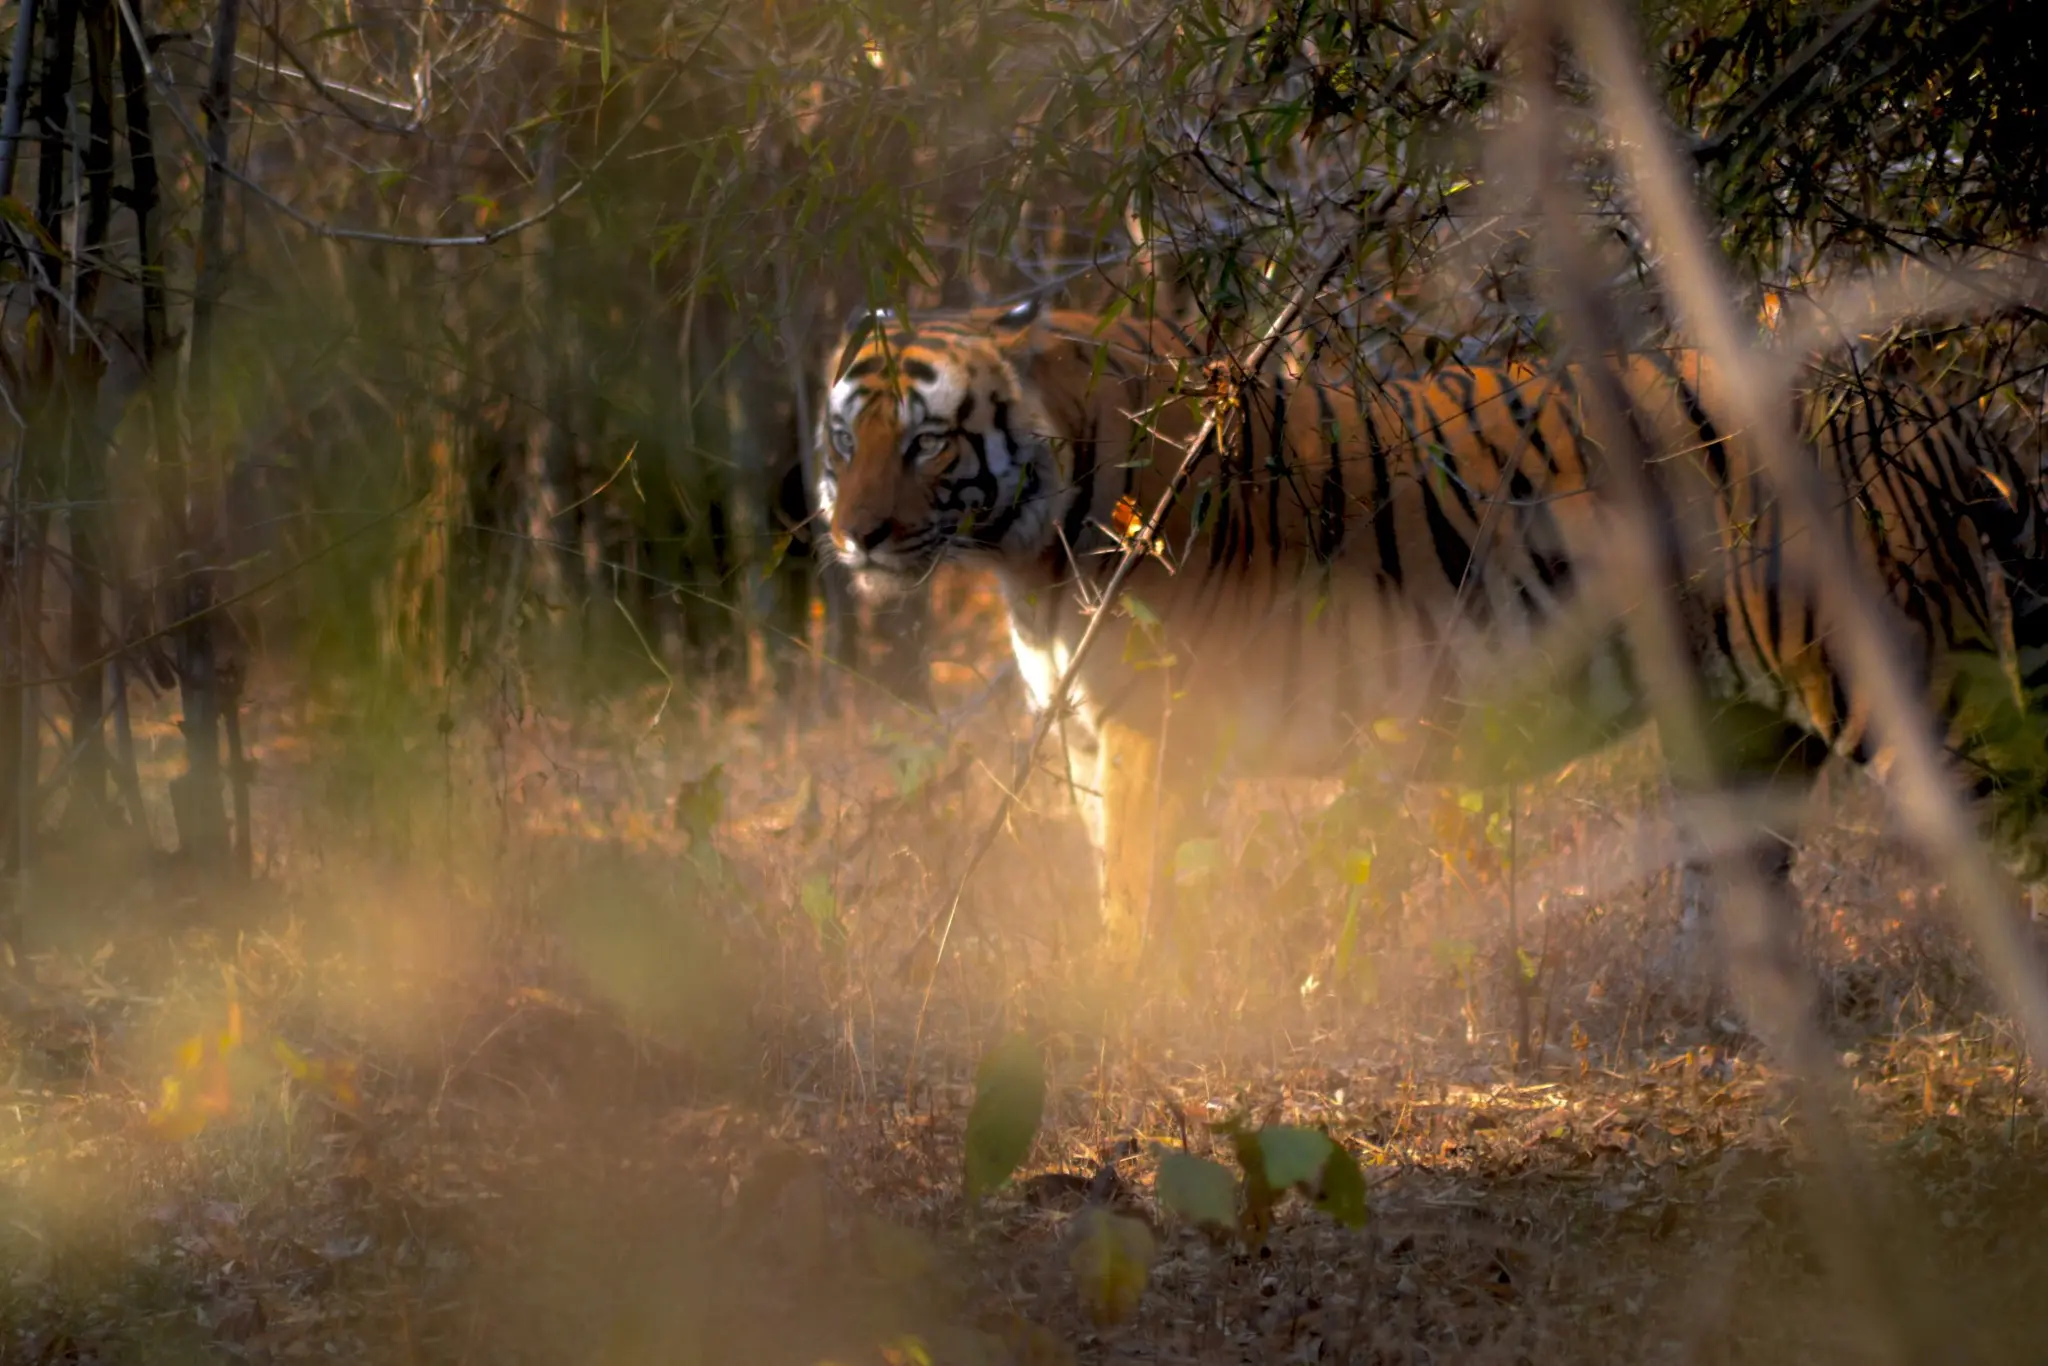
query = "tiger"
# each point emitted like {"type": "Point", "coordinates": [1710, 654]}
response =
{"type": "Point", "coordinates": [1399, 573]}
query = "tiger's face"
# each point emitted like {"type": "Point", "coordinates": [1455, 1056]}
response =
{"type": "Point", "coordinates": [932, 446]}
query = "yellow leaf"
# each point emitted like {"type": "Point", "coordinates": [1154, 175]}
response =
{"type": "Point", "coordinates": [334, 1080]}
{"type": "Point", "coordinates": [906, 1351]}
{"type": "Point", "coordinates": [172, 1118]}
{"type": "Point", "coordinates": [291, 1059]}
{"type": "Point", "coordinates": [191, 1053]}
{"type": "Point", "coordinates": [1124, 517]}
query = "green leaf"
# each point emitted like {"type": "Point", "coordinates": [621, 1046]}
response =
{"type": "Point", "coordinates": [1259, 1195]}
{"type": "Point", "coordinates": [778, 551]}
{"type": "Point", "coordinates": [1009, 1102]}
{"type": "Point", "coordinates": [604, 47]}
{"type": "Point", "coordinates": [1342, 1196]}
{"type": "Point", "coordinates": [18, 215]}
{"type": "Point", "coordinates": [1293, 1155]}
{"type": "Point", "coordinates": [540, 120]}
{"type": "Point", "coordinates": [1200, 1191]}
{"type": "Point", "coordinates": [1111, 1262]}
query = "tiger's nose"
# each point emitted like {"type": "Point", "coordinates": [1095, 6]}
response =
{"type": "Point", "coordinates": [870, 539]}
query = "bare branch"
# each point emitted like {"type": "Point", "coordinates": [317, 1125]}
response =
{"type": "Point", "coordinates": [395, 239]}
{"type": "Point", "coordinates": [1686, 264]}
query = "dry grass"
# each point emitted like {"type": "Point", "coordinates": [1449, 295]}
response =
{"type": "Point", "coordinates": [628, 1093]}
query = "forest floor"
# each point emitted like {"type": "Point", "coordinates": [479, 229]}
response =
{"type": "Point", "coordinates": [599, 1036]}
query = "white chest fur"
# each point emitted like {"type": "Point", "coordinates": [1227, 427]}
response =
{"type": "Point", "coordinates": [1040, 663]}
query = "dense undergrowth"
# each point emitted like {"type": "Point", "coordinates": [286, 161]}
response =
{"type": "Point", "coordinates": [597, 1031]}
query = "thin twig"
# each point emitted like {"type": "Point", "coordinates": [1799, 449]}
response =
{"type": "Point", "coordinates": [399, 239]}
{"type": "Point", "coordinates": [331, 91]}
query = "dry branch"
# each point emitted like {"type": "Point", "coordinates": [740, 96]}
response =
{"type": "Point", "coordinates": [1922, 785]}
{"type": "Point", "coordinates": [1758, 918]}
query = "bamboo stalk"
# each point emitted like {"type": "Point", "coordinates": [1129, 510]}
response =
{"type": "Point", "coordinates": [17, 93]}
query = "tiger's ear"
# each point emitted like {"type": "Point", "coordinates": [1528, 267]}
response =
{"type": "Point", "coordinates": [1020, 316]}
{"type": "Point", "coordinates": [861, 325]}
{"type": "Point", "coordinates": [864, 318]}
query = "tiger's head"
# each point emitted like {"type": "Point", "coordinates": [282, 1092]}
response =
{"type": "Point", "coordinates": [932, 444]}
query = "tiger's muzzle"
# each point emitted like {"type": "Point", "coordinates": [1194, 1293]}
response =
{"type": "Point", "coordinates": [880, 563]}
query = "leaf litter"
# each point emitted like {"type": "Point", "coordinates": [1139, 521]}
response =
{"type": "Point", "coordinates": [417, 1126]}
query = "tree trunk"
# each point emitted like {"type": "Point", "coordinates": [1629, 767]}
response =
{"type": "Point", "coordinates": [839, 635]}
{"type": "Point", "coordinates": [134, 601]}
{"type": "Point", "coordinates": [14, 614]}
{"type": "Point", "coordinates": [53, 116]}
{"type": "Point", "coordinates": [196, 797]}
{"type": "Point", "coordinates": [86, 471]}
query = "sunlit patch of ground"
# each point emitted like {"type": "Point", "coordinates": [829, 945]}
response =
{"type": "Point", "coordinates": [583, 1035]}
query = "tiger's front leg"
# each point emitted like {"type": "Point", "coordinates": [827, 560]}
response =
{"type": "Point", "coordinates": [1136, 816]}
